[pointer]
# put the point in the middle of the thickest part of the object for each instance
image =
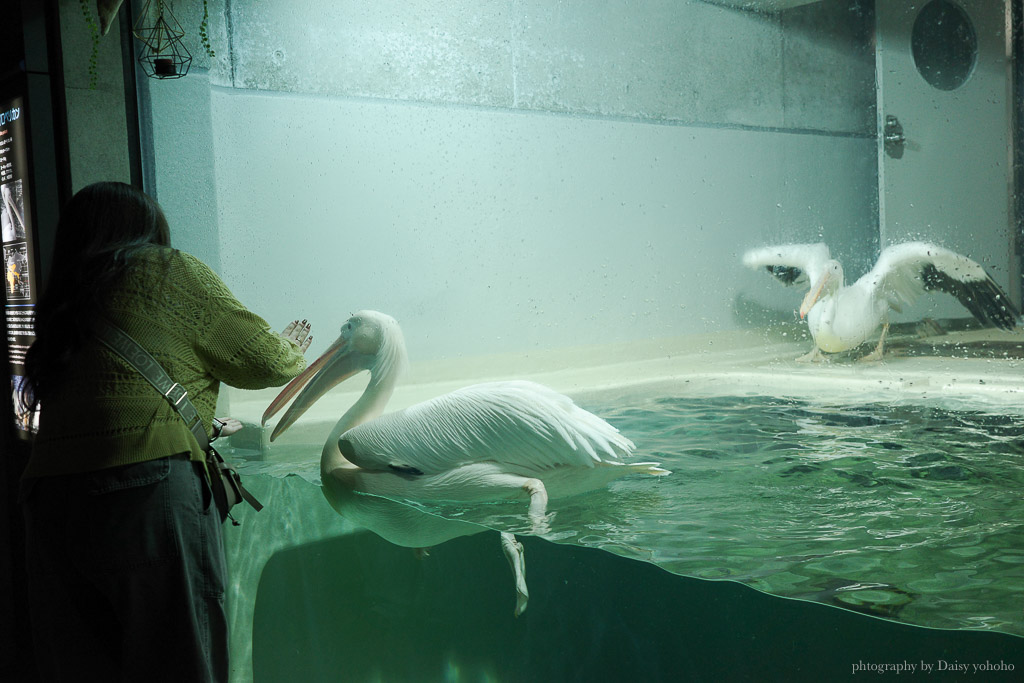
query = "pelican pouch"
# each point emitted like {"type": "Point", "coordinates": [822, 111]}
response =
{"type": "Point", "coordinates": [225, 483]}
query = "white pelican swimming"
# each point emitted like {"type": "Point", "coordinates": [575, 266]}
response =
{"type": "Point", "coordinates": [486, 442]}
{"type": "Point", "coordinates": [841, 318]}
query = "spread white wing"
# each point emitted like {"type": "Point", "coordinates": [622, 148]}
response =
{"type": "Point", "coordinates": [790, 264]}
{"type": "Point", "coordinates": [905, 271]}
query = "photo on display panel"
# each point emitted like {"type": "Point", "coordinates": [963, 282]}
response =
{"type": "Point", "coordinates": [16, 275]}
{"type": "Point", "coordinates": [12, 211]}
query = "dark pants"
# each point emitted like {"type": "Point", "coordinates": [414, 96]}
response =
{"type": "Point", "coordinates": [126, 575]}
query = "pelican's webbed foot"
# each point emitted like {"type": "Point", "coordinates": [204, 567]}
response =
{"type": "Point", "coordinates": [516, 557]}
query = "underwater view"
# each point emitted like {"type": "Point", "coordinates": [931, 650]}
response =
{"type": "Point", "coordinates": [903, 511]}
{"type": "Point", "coordinates": [908, 512]}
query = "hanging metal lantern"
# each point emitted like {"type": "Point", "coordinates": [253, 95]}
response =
{"type": "Point", "coordinates": [163, 53]}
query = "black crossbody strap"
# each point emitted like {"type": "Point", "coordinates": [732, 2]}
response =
{"type": "Point", "coordinates": [118, 341]}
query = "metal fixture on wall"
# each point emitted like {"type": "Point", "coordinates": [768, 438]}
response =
{"type": "Point", "coordinates": [894, 140]}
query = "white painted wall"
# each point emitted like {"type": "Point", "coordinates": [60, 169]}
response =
{"type": "Point", "coordinates": [487, 231]}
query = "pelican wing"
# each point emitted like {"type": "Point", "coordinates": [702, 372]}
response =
{"type": "Point", "coordinates": [514, 423]}
{"type": "Point", "coordinates": [905, 271]}
{"type": "Point", "coordinates": [791, 264]}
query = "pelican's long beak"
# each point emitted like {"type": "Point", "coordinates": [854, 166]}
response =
{"type": "Point", "coordinates": [813, 295]}
{"type": "Point", "coordinates": [337, 364]}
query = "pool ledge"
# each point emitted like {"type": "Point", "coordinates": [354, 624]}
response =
{"type": "Point", "coordinates": [959, 368]}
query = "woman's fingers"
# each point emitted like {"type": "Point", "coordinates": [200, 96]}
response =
{"type": "Point", "coordinates": [302, 331]}
{"type": "Point", "coordinates": [299, 332]}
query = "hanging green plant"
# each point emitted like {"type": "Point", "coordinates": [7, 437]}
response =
{"type": "Point", "coordinates": [94, 30]}
{"type": "Point", "coordinates": [203, 35]}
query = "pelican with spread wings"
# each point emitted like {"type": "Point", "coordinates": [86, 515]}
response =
{"type": "Point", "coordinates": [842, 317]}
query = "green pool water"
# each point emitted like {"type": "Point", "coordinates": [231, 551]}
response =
{"type": "Point", "coordinates": [910, 512]}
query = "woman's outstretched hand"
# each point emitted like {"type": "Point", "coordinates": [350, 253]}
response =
{"type": "Point", "coordinates": [226, 426]}
{"type": "Point", "coordinates": [299, 332]}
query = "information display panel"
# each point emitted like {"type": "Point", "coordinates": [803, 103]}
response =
{"type": "Point", "coordinates": [17, 238]}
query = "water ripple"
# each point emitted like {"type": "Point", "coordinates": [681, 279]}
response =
{"type": "Point", "coordinates": [909, 512]}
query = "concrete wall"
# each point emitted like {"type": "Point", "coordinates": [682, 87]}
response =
{"type": "Point", "coordinates": [516, 175]}
{"type": "Point", "coordinates": [488, 230]}
{"type": "Point", "coordinates": [179, 136]}
{"type": "Point", "coordinates": [662, 60]}
{"type": "Point", "coordinates": [97, 125]}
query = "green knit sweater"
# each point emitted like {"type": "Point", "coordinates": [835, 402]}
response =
{"type": "Point", "coordinates": [106, 414]}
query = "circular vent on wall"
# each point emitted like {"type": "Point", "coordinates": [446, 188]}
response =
{"type": "Point", "coordinates": [944, 44]}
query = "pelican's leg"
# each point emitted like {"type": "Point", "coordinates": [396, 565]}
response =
{"type": "Point", "coordinates": [513, 550]}
{"type": "Point", "coordinates": [538, 504]}
{"type": "Point", "coordinates": [876, 355]}
{"type": "Point", "coordinates": [815, 356]}
{"type": "Point", "coordinates": [538, 512]}
{"type": "Point", "coordinates": [487, 479]}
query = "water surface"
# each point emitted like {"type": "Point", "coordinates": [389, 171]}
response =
{"type": "Point", "coordinates": [912, 512]}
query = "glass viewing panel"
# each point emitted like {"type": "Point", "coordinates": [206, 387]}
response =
{"type": "Point", "coordinates": [638, 207]}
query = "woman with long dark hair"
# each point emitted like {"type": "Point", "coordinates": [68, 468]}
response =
{"type": "Point", "coordinates": [124, 549]}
